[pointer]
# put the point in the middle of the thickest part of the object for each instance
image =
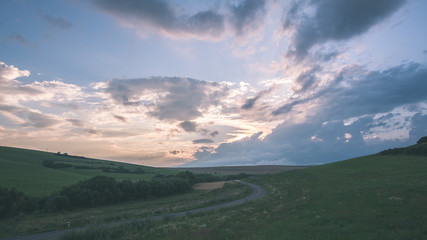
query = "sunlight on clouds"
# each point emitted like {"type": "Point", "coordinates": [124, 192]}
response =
{"type": "Point", "coordinates": [293, 79]}
{"type": "Point", "coordinates": [10, 73]}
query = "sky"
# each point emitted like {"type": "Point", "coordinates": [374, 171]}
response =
{"type": "Point", "coordinates": [213, 82]}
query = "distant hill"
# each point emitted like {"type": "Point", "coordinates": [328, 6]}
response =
{"type": "Point", "coordinates": [418, 149]}
{"type": "Point", "coordinates": [39, 173]}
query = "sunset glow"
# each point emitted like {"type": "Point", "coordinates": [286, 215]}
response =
{"type": "Point", "coordinates": [204, 83]}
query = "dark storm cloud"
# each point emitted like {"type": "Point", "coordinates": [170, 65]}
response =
{"type": "Point", "coordinates": [286, 108]}
{"type": "Point", "coordinates": [57, 22]}
{"type": "Point", "coordinates": [179, 98]}
{"type": "Point", "coordinates": [356, 92]}
{"type": "Point", "coordinates": [247, 14]}
{"type": "Point", "coordinates": [324, 137]}
{"type": "Point", "coordinates": [249, 103]}
{"type": "Point", "coordinates": [188, 126]}
{"type": "Point", "coordinates": [333, 20]}
{"type": "Point", "coordinates": [306, 80]}
{"type": "Point", "coordinates": [18, 38]}
{"type": "Point", "coordinates": [313, 142]}
{"type": "Point", "coordinates": [203, 140]}
{"type": "Point", "coordinates": [162, 16]}
{"type": "Point", "coordinates": [206, 22]}
{"type": "Point", "coordinates": [378, 91]}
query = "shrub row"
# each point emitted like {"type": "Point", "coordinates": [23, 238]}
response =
{"type": "Point", "coordinates": [97, 191]}
{"type": "Point", "coordinates": [102, 190]}
{"type": "Point", "coordinates": [406, 151]}
{"type": "Point", "coordinates": [57, 165]}
{"type": "Point", "coordinates": [419, 149]}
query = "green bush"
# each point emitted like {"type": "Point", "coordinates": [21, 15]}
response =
{"type": "Point", "coordinates": [422, 140]}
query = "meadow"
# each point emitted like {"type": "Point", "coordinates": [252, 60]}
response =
{"type": "Point", "coordinates": [23, 169]}
{"type": "Point", "coordinates": [380, 196]}
{"type": "Point", "coordinates": [40, 174]}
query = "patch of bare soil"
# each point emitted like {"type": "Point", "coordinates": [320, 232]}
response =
{"type": "Point", "coordinates": [208, 185]}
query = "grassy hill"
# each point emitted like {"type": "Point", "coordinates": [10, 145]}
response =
{"type": "Point", "coordinates": [24, 170]}
{"type": "Point", "coordinates": [382, 196]}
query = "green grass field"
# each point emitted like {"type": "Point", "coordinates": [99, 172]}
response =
{"type": "Point", "coordinates": [372, 197]}
{"type": "Point", "coordinates": [382, 196]}
{"type": "Point", "coordinates": [23, 169]}
{"type": "Point", "coordinates": [123, 211]}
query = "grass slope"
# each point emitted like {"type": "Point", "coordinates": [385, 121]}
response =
{"type": "Point", "coordinates": [23, 169]}
{"type": "Point", "coordinates": [40, 222]}
{"type": "Point", "coordinates": [372, 197]}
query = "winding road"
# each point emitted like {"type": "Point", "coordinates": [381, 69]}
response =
{"type": "Point", "coordinates": [257, 192]}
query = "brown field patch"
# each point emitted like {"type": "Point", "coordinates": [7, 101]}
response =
{"type": "Point", "coordinates": [208, 185]}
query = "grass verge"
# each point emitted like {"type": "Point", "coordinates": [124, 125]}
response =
{"type": "Point", "coordinates": [21, 225]}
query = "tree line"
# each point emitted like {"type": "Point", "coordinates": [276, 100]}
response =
{"type": "Point", "coordinates": [120, 169]}
{"type": "Point", "coordinates": [101, 190]}
{"type": "Point", "coordinates": [419, 149]}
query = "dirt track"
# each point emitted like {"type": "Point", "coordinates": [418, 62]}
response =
{"type": "Point", "coordinates": [257, 192]}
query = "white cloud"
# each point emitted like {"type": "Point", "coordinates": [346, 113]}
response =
{"type": "Point", "coordinates": [10, 73]}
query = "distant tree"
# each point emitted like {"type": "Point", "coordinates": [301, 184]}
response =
{"type": "Point", "coordinates": [13, 202]}
{"type": "Point", "coordinates": [52, 164]}
{"type": "Point", "coordinates": [143, 189]}
{"type": "Point", "coordinates": [48, 163]}
{"type": "Point", "coordinates": [422, 140]}
{"type": "Point", "coordinates": [187, 175]}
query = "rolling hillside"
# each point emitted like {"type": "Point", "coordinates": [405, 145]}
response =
{"type": "Point", "coordinates": [382, 196]}
{"type": "Point", "coordinates": [38, 173]}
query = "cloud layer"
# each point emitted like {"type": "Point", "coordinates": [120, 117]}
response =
{"type": "Point", "coordinates": [168, 98]}
{"type": "Point", "coordinates": [332, 20]}
{"type": "Point", "coordinates": [165, 18]}
{"type": "Point", "coordinates": [294, 82]}
{"type": "Point", "coordinates": [325, 134]}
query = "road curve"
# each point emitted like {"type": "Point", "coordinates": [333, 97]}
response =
{"type": "Point", "coordinates": [257, 192]}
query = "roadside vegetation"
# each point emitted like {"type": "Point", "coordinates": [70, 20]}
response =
{"type": "Point", "coordinates": [93, 216]}
{"type": "Point", "coordinates": [35, 184]}
{"type": "Point", "coordinates": [381, 196]}
{"type": "Point", "coordinates": [100, 191]}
